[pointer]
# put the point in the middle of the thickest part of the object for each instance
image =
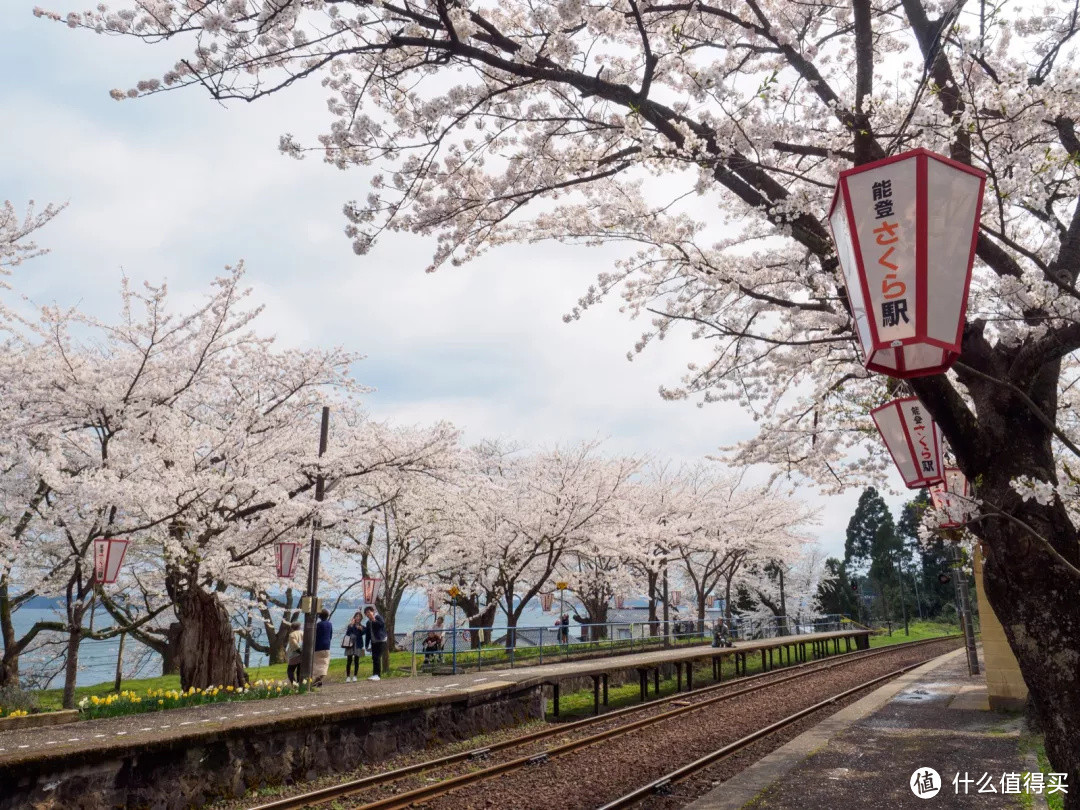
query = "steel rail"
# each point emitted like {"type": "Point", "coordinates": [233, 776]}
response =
{"type": "Point", "coordinates": [657, 785]}
{"type": "Point", "coordinates": [331, 792]}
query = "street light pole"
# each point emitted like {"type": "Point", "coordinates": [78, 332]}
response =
{"type": "Point", "coordinates": [307, 661]}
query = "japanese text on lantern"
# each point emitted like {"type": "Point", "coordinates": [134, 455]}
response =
{"type": "Point", "coordinates": [895, 307]}
{"type": "Point", "coordinates": [921, 432]}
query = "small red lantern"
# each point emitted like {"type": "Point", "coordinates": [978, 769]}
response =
{"type": "Point", "coordinates": [905, 230]}
{"type": "Point", "coordinates": [372, 589]}
{"type": "Point", "coordinates": [287, 557]}
{"type": "Point", "coordinates": [108, 557]}
{"type": "Point", "coordinates": [620, 601]}
{"type": "Point", "coordinates": [546, 601]}
{"type": "Point", "coordinates": [913, 439]}
{"type": "Point", "coordinates": [676, 598]}
{"type": "Point", "coordinates": [433, 600]}
{"type": "Point", "coordinates": [953, 497]}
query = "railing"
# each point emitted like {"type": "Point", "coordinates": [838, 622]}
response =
{"type": "Point", "coordinates": [468, 648]}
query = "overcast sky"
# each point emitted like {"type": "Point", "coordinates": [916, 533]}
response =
{"type": "Point", "coordinates": [174, 187]}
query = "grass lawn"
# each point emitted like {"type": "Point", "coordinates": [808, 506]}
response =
{"type": "Point", "coordinates": [575, 705]}
{"type": "Point", "coordinates": [918, 632]}
{"type": "Point", "coordinates": [50, 699]}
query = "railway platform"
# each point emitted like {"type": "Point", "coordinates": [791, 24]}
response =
{"type": "Point", "coordinates": [186, 756]}
{"type": "Point", "coordinates": [879, 749]}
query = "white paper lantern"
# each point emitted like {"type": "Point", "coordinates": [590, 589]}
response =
{"type": "Point", "coordinates": [546, 601]}
{"type": "Point", "coordinates": [286, 556]}
{"type": "Point", "coordinates": [953, 497]}
{"type": "Point", "coordinates": [108, 557]}
{"type": "Point", "coordinates": [620, 601]}
{"type": "Point", "coordinates": [913, 439]}
{"type": "Point", "coordinates": [905, 230]}
{"type": "Point", "coordinates": [676, 598]}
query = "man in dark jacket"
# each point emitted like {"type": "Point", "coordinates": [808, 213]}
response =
{"type": "Point", "coordinates": [376, 634]}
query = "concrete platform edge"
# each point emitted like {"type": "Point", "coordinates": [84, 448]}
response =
{"type": "Point", "coordinates": [742, 788]}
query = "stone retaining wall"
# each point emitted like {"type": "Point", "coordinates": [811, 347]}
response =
{"type": "Point", "coordinates": [182, 773]}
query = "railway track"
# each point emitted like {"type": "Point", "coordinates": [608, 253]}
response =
{"type": "Point", "coordinates": [635, 717]}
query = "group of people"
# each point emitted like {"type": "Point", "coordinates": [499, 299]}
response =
{"type": "Point", "coordinates": [360, 637]}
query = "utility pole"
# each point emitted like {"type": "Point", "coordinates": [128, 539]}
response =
{"type": "Point", "coordinates": [903, 602]}
{"type": "Point", "coordinates": [964, 595]}
{"type": "Point", "coordinates": [783, 603]}
{"type": "Point", "coordinates": [918, 600]}
{"type": "Point", "coordinates": [667, 627]}
{"type": "Point", "coordinates": [308, 660]}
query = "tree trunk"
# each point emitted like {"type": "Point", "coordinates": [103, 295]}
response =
{"type": "Point", "coordinates": [71, 662]}
{"type": "Point", "coordinates": [207, 654]}
{"type": "Point", "coordinates": [1035, 597]}
{"type": "Point", "coordinates": [9, 663]}
{"type": "Point", "coordinates": [119, 664]}
{"type": "Point", "coordinates": [170, 653]}
{"type": "Point", "coordinates": [1031, 551]}
{"type": "Point", "coordinates": [654, 620]}
{"type": "Point", "coordinates": [480, 622]}
{"type": "Point", "coordinates": [277, 642]}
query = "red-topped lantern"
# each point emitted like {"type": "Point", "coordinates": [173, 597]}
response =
{"type": "Point", "coordinates": [905, 230]}
{"type": "Point", "coordinates": [108, 557]}
{"type": "Point", "coordinates": [620, 601]}
{"type": "Point", "coordinates": [434, 599]}
{"type": "Point", "coordinates": [547, 600]}
{"type": "Point", "coordinates": [913, 439]}
{"type": "Point", "coordinates": [953, 497]}
{"type": "Point", "coordinates": [372, 589]}
{"type": "Point", "coordinates": [287, 557]}
{"type": "Point", "coordinates": [676, 598]}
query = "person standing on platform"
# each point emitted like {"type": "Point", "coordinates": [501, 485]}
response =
{"type": "Point", "coordinates": [353, 644]}
{"type": "Point", "coordinates": [376, 634]}
{"type": "Point", "coordinates": [292, 650]}
{"type": "Point", "coordinates": [324, 635]}
{"type": "Point", "coordinates": [565, 631]}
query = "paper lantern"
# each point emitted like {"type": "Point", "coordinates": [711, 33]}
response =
{"type": "Point", "coordinates": [913, 439]}
{"type": "Point", "coordinates": [620, 601]}
{"type": "Point", "coordinates": [108, 557]}
{"type": "Point", "coordinates": [953, 497]}
{"type": "Point", "coordinates": [546, 601]}
{"type": "Point", "coordinates": [905, 230]}
{"type": "Point", "coordinates": [372, 588]}
{"type": "Point", "coordinates": [287, 556]}
{"type": "Point", "coordinates": [434, 598]}
{"type": "Point", "coordinates": [676, 598]}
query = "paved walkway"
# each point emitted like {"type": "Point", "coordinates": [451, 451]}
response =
{"type": "Point", "coordinates": [935, 716]}
{"type": "Point", "coordinates": [337, 699]}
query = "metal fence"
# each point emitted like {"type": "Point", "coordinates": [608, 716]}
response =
{"type": "Point", "coordinates": [470, 648]}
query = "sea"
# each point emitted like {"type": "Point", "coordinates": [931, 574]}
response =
{"type": "Point", "coordinates": [97, 659]}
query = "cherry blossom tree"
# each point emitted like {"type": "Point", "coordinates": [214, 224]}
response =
{"type": "Point", "coordinates": [709, 135]}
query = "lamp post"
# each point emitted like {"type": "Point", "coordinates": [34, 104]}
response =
{"type": "Point", "coordinates": [564, 630]}
{"type": "Point", "coordinates": [308, 660]}
{"type": "Point", "coordinates": [453, 592]}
